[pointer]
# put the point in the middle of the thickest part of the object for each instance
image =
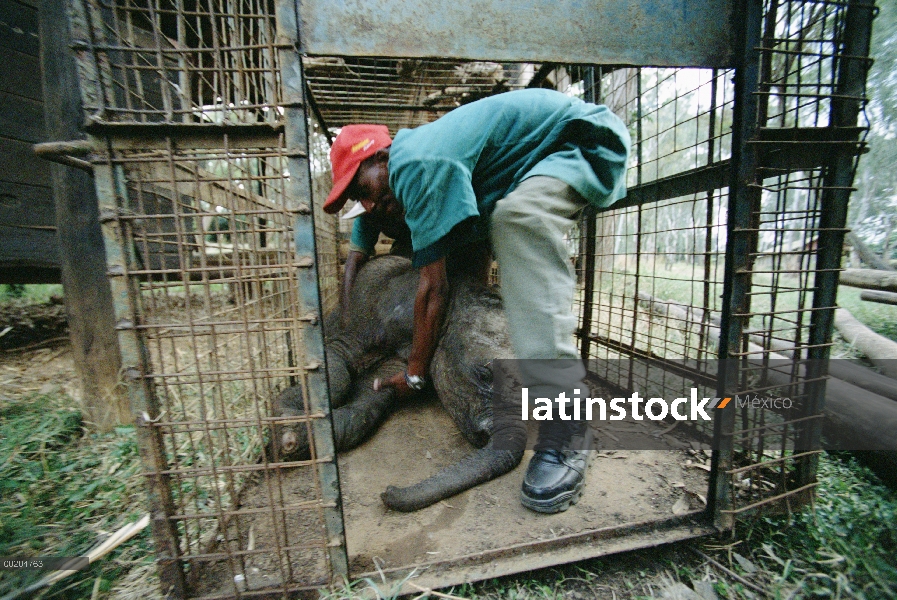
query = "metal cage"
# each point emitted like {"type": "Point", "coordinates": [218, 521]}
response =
{"type": "Point", "coordinates": [210, 121]}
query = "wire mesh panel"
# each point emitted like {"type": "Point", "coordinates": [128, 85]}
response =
{"type": "Point", "coordinates": [658, 286]}
{"type": "Point", "coordinates": [802, 132]}
{"type": "Point", "coordinates": [403, 93]}
{"type": "Point", "coordinates": [216, 304]}
{"type": "Point", "coordinates": [177, 61]}
{"type": "Point", "coordinates": [205, 184]}
{"type": "Point", "coordinates": [652, 273]}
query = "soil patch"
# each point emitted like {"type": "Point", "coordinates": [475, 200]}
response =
{"type": "Point", "coordinates": [27, 325]}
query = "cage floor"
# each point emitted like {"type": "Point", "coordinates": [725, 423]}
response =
{"type": "Point", "coordinates": [622, 487]}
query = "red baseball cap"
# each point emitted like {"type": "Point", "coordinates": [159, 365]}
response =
{"type": "Point", "coordinates": [353, 144]}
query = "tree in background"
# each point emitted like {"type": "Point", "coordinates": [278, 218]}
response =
{"type": "Point", "coordinates": [874, 204]}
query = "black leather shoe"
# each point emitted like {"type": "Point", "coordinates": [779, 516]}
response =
{"type": "Point", "coordinates": [555, 478]}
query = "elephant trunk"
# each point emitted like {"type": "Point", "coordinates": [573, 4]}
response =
{"type": "Point", "coordinates": [483, 465]}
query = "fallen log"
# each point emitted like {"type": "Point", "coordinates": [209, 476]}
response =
{"type": "Point", "coordinates": [881, 297]}
{"type": "Point", "coordinates": [870, 279]}
{"type": "Point", "coordinates": [855, 419]}
{"type": "Point", "coordinates": [842, 369]}
{"type": "Point", "coordinates": [881, 351]}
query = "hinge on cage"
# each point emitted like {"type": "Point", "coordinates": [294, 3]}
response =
{"type": "Point", "coordinates": [144, 420]}
{"type": "Point", "coordinates": [113, 213]}
{"type": "Point", "coordinates": [108, 215]}
{"type": "Point", "coordinates": [124, 324]}
{"type": "Point", "coordinates": [130, 373]}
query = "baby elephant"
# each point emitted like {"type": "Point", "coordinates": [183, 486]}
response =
{"type": "Point", "coordinates": [376, 343]}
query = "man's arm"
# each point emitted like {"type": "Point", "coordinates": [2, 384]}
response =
{"type": "Point", "coordinates": [354, 262]}
{"type": "Point", "coordinates": [429, 312]}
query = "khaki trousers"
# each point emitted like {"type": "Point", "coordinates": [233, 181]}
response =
{"type": "Point", "coordinates": [537, 278]}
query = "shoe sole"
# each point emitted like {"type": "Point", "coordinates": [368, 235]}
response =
{"type": "Point", "coordinates": [559, 503]}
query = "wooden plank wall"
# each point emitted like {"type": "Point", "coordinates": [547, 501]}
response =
{"type": "Point", "coordinates": [28, 247]}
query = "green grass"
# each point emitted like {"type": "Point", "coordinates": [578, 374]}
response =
{"type": "Point", "coordinates": [61, 490]}
{"type": "Point", "coordinates": [844, 548]}
{"type": "Point", "coordinates": [29, 294]}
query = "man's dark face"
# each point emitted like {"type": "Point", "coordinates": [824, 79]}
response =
{"type": "Point", "coordinates": [371, 187]}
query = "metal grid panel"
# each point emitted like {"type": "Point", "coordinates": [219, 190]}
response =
{"type": "Point", "coordinates": [658, 284]}
{"type": "Point", "coordinates": [212, 292]}
{"type": "Point", "coordinates": [805, 143]}
{"type": "Point", "coordinates": [216, 303]}
{"type": "Point", "coordinates": [652, 279]}
{"type": "Point", "coordinates": [180, 61]}
{"type": "Point", "coordinates": [403, 93]}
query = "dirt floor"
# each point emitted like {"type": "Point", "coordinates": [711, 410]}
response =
{"type": "Point", "coordinates": [42, 365]}
{"type": "Point", "coordinates": [622, 487]}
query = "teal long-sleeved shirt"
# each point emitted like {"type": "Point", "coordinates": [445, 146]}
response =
{"type": "Point", "coordinates": [449, 174]}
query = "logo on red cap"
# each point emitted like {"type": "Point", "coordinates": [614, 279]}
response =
{"type": "Point", "coordinates": [362, 145]}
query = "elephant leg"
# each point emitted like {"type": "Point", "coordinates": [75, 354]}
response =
{"type": "Point", "coordinates": [340, 372]}
{"type": "Point", "coordinates": [353, 422]}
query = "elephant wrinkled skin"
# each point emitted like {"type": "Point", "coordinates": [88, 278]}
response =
{"type": "Point", "coordinates": [376, 343]}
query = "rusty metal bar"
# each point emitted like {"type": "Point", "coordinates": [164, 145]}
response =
{"type": "Point", "coordinates": [747, 19]}
{"type": "Point", "coordinates": [638, 228]}
{"type": "Point", "coordinates": [731, 513]}
{"type": "Point", "coordinates": [565, 548]}
{"type": "Point", "coordinates": [711, 177]}
{"type": "Point", "coordinates": [589, 222]}
{"type": "Point", "coordinates": [845, 109]}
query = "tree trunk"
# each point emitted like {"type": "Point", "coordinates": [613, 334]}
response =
{"type": "Point", "coordinates": [877, 348]}
{"type": "Point", "coordinates": [842, 369]}
{"type": "Point", "coordinates": [870, 279]}
{"type": "Point", "coordinates": [881, 297]}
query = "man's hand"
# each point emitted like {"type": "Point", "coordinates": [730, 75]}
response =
{"type": "Point", "coordinates": [396, 382]}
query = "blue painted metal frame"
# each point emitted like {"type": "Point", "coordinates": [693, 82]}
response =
{"type": "Point", "coordinates": [693, 33]}
{"type": "Point", "coordinates": [300, 191]}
